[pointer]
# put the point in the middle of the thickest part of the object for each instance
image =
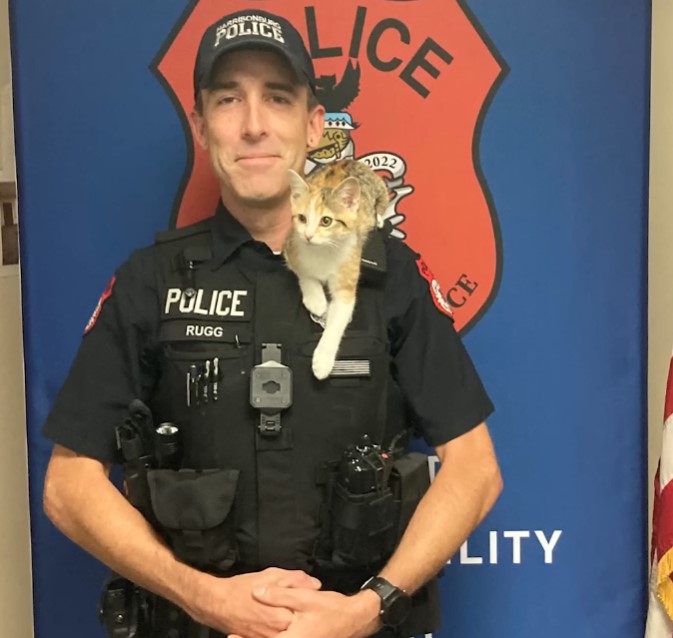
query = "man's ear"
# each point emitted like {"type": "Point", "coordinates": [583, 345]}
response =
{"type": "Point", "coordinates": [198, 123]}
{"type": "Point", "coordinates": [315, 126]}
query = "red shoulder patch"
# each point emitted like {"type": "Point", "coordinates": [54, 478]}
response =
{"type": "Point", "coordinates": [99, 306]}
{"type": "Point", "coordinates": [435, 291]}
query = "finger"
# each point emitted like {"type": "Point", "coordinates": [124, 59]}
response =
{"type": "Point", "coordinates": [278, 617]}
{"type": "Point", "coordinates": [294, 579]}
{"type": "Point", "coordinates": [309, 583]}
{"type": "Point", "coordinates": [291, 598]}
{"type": "Point", "coordinates": [290, 633]}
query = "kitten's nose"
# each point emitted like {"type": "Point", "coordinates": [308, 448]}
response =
{"type": "Point", "coordinates": [308, 235]}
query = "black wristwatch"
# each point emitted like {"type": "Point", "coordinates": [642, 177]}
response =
{"type": "Point", "coordinates": [395, 602]}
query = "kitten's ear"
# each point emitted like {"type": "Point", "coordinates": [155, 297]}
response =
{"type": "Point", "coordinates": [298, 185]}
{"type": "Point", "coordinates": [347, 194]}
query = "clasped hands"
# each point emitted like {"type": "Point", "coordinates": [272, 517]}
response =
{"type": "Point", "coordinates": [278, 603]}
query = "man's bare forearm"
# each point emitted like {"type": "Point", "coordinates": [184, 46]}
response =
{"type": "Point", "coordinates": [82, 502]}
{"type": "Point", "coordinates": [463, 492]}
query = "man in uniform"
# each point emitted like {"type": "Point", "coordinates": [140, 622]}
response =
{"type": "Point", "coordinates": [191, 323]}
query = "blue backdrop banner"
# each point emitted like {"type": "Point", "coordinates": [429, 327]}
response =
{"type": "Point", "coordinates": [514, 137]}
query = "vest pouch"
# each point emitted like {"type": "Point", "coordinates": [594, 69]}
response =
{"type": "Point", "coordinates": [363, 527]}
{"type": "Point", "coordinates": [409, 481]}
{"type": "Point", "coordinates": [204, 388]}
{"type": "Point", "coordinates": [224, 341]}
{"type": "Point", "coordinates": [195, 513]}
{"type": "Point", "coordinates": [206, 366]}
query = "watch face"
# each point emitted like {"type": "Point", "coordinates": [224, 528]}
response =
{"type": "Point", "coordinates": [397, 609]}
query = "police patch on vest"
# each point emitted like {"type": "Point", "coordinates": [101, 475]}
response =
{"type": "Point", "coordinates": [234, 305]}
{"type": "Point", "coordinates": [436, 292]}
{"type": "Point", "coordinates": [99, 305]}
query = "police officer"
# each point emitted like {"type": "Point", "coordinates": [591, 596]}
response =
{"type": "Point", "coordinates": [189, 325]}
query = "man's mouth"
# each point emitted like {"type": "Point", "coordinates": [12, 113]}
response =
{"type": "Point", "coordinates": [257, 158]}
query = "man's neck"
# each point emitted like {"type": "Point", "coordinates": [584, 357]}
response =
{"type": "Point", "coordinates": [269, 224]}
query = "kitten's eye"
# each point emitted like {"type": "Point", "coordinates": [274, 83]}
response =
{"type": "Point", "coordinates": [325, 221]}
{"type": "Point", "coordinates": [302, 218]}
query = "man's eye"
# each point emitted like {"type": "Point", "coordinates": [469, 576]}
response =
{"type": "Point", "coordinates": [226, 99]}
{"type": "Point", "coordinates": [280, 99]}
{"type": "Point", "coordinates": [302, 218]}
{"type": "Point", "coordinates": [325, 221]}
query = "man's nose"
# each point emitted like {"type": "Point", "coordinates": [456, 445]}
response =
{"type": "Point", "coordinates": [254, 122]}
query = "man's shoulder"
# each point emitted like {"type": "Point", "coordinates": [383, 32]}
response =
{"type": "Point", "coordinates": [144, 259]}
{"type": "Point", "coordinates": [400, 256]}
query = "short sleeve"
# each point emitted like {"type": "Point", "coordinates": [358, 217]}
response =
{"type": "Point", "coordinates": [115, 363]}
{"type": "Point", "coordinates": [442, 389]}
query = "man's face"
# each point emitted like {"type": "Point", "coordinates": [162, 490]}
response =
{"type": "Point", "coordinates": [256, 125]}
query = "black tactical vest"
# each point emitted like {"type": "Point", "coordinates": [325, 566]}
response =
{"type": "Point", "coordinates": [215, 322]}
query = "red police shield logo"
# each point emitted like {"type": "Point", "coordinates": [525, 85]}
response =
{"type": "Point", "coordinates": [406, 86]}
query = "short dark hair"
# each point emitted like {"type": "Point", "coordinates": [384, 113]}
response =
{"type": "Point", "coordinates": [313, 100]}
{"type": "Point", "coordinates": [198, 103]}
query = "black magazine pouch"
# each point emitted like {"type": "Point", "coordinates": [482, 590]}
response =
{"type": "Point", "coordinates": [363, 530]}
{"type": "Point", "coordinates": [195, 511]}
{"type": "Point", "coordinates": [409, 481]}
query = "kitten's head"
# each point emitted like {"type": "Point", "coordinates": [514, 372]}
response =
{"type": "Point", "coordinates": [326, 216]}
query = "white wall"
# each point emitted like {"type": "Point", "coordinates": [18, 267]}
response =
{"type": "Point", "coordinates": [660, 308]}
{"type": "Point", "coordinates": [16, 601]}
{"type": "Point", "coordinates": [6, 129]}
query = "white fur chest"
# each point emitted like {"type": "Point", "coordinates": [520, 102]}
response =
{"type": "Point", "coordinates": [322, 261]}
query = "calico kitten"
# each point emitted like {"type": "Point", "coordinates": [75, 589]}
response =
{"type": "Point", "coordinates": [333, 212]}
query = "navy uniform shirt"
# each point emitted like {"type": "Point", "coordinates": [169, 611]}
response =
{"type": "Point", "coordinates": [117, 359]}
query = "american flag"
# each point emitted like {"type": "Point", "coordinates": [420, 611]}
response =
{"type": "Point", "coordinates": [660, 613]}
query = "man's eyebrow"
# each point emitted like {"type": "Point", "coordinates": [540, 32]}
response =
{"type": "Point", "coordinates": [223, 86]}
{"type": "Point", "coordinates": [287, 87]}
{"type": "Point", "coordinates": [228, 85]}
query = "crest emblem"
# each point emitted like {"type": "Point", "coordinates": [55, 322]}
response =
{"type": "Point", "coordinates": [336, 97]}
{"type": "Point", "coordinates": [406, 86]}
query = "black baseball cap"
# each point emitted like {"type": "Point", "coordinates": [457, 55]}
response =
{"type": "Point", "coordinates": [252, 29]}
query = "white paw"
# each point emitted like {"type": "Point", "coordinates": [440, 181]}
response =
{"type": "Point", "coordinates": [323, 362]}
{"type": "Point", "coordinates": [316, 302]}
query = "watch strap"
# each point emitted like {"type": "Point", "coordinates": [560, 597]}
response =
{"type": "Point", "coordinates": [395, 602]}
